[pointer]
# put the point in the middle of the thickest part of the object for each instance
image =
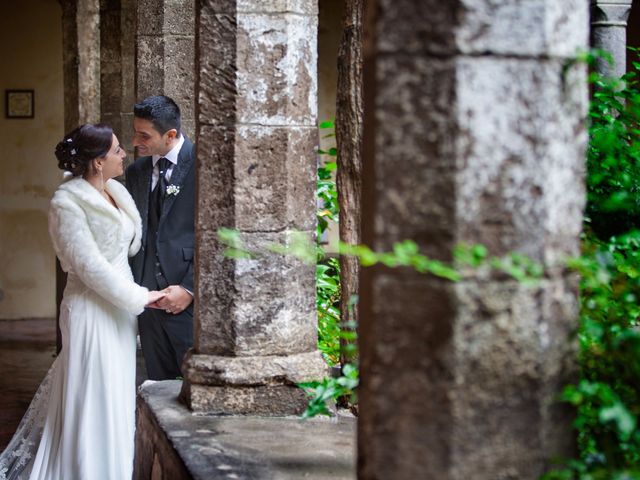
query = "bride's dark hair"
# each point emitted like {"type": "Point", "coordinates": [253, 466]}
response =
{"type": "Point", "coordinates": [79, 147]}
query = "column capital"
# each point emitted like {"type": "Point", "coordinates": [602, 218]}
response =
{"type": "Point", "coordinates": [609, 32]}
{"type": "Point", "coordinates": [612, 2]}
{"type": "Point", "coordinates": [614, 13]}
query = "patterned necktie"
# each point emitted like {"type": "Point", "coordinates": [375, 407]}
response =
{"type": "Point", "coordinates": [163, 166]}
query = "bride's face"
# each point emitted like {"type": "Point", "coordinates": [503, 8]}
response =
{"type": "Point", "coordinates": [113, 163]}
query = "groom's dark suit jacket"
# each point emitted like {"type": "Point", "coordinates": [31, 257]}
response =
{"type": "Point", "coordinates": [175, 240]}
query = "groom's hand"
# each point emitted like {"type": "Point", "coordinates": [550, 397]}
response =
{"type": "Point", "coordinates": [175, 300]}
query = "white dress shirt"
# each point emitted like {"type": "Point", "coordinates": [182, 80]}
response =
{"type": "Point", "coordinates": [172, 156]}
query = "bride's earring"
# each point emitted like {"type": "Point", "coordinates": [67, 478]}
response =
{"type": "Point", "coordinates": [98, 171]}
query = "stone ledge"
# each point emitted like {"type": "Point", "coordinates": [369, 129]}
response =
{"type": "Point", "coordinates": [169, 437]}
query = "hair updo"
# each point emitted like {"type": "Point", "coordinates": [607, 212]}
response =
{"type": "Point", "coordinates": [78, 148]}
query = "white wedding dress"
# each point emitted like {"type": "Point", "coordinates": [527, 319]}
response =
{"type": "Point", "coordinates": [80, 424]}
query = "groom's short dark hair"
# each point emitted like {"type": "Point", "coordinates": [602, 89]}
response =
{"type": "Point", "coordinates": [161, 111]}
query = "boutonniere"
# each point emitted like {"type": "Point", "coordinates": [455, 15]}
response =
{"type": "Point", "coordinates": [173, 189]}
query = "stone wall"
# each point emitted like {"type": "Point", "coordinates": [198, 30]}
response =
{"type": "Point", "coordinates": [29, 175]}
{"type": "Point", "coordinates": [165, 54]}
{"type": "Point", "coordinates": [156, 457]}
{"type": "Point", "coordinates": [117, 68]}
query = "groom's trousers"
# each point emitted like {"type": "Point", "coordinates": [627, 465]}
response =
{"type": "Point", "coordinates": [165, 339]}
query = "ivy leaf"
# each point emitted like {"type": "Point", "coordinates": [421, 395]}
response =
{"type": "Point", "coordinates": [619, 414]}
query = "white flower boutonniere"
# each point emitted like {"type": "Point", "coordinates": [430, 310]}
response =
{"type": "Point", "coordinates": [173, 189]}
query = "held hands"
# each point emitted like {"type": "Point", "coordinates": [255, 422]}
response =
{"type": "Point", "coordinates": [175, 299]}
{"type": "Point", "coordinates": [154, 296]}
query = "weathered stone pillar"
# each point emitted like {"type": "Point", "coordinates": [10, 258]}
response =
{"type": "Point", "coordinates": [81, 61]}
{"type": "Point", "coordinates": [165, 54]}
{"type": "Point", "coordinates": [474, 133]}
{"type": "Point", "coordinates": [81, 74]}
{"type": "Point", "coordinates": [255, 320]}
{"type": "Point", "coordinates": [609, 32]}
{"type": "Point", "coordinates": [117, 66]}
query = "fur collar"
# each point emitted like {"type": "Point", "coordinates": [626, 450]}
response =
{"type": "Point", "coordinates": [90, 199]}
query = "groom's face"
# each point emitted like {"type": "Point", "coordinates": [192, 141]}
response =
{"type": "Point", "coordinates": [148, 140]}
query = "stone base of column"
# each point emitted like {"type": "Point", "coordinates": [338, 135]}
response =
{"type": "Point", "coordinates": [259, 385]}
{"type": "Point", "coordinates": [218, 400]}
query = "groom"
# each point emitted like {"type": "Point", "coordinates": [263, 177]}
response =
{"type": "Point", "coordinates": [162, 183]}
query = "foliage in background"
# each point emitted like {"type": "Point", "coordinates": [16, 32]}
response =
{"type": "Point", "coordinates": [325, 392]}
{"type": "Point", "coordinates": [328, 306]}
{"type": "Point", "coordinates": [613, 157]}
{"type": "Point", "coordinates": [327, 268]}
{"type": "Point", "coordinates": [326, 191]}
{"type": "Point", "coordinates": [607, 395]}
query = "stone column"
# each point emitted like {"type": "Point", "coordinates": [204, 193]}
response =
{"type": "Point", "coordinates": [117, 67]}
{"type": "Point", "coordinates": [81, 61]}
{"type": "Point", "coordinates": [255, 320]}
{"type": "Point", "coordinates": [474, 133]}
{"type": "Point", "coordinates": [81, 73]}
{"type": "Point", "coordinates": [609, 32]}
{"type": "Point", "coordinates": [165, 54]}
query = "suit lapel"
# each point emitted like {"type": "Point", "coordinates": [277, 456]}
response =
{"type": "Point", "coordinates": [180, 171]}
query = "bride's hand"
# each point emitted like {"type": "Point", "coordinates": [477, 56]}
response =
{"type": "Point", "coordinates": [154, 296]}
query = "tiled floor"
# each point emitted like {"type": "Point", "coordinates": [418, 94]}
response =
{"type": "Point", "coordinates": [27, 349]}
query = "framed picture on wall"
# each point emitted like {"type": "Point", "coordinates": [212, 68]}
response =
{"type": "Point", "coordinates": [19, 103]}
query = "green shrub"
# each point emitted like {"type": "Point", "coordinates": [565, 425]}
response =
{"type": "Point", "coordinates": [607, 394]}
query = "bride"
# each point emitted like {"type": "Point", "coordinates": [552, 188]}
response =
{"type": "Point", "coordinates": [80, 424]}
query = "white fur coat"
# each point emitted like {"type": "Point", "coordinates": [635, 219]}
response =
{"type": "Point", "coordinates": [86, 231]}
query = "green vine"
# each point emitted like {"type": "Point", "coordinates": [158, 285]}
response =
{"type": "Point", "coordinates": [606, 397]}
